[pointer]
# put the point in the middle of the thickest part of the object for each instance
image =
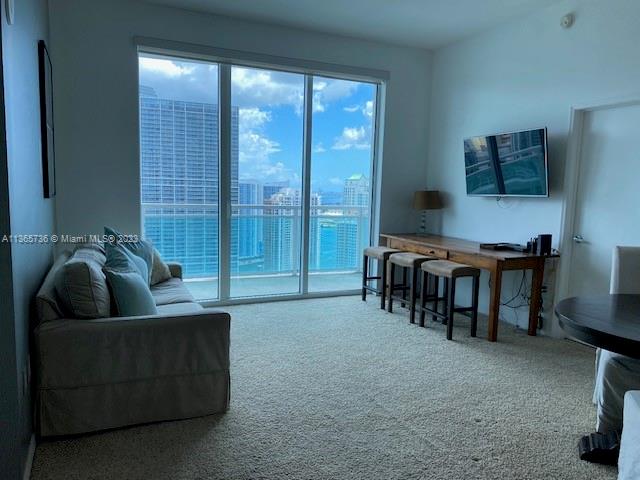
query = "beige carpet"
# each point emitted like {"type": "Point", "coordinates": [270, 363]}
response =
{"type": "Point", "coordinates": [338, 389]}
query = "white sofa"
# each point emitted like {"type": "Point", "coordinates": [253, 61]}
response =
{"type": "Point", "coordinates": [101, 373]}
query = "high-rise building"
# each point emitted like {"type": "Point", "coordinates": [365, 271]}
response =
{"type": "Point", "coordinates": [282, 229]}
{"type": "Point", "coordinates": [356, 191]}
{"type": "Point", "coordinates": [180, 181]}
{"type": "Point", "coordinates": [348, 246]}
{"type": "Point", "coordinates": [250, 225]}
{"type": "Point", "coordinates": [272, 188]}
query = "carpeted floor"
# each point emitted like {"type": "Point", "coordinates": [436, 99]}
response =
{"type": "Point", "coordinates": [337, 389]}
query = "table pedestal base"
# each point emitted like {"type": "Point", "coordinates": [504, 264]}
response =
{"type": "Point", "coordinates": [600, 448]}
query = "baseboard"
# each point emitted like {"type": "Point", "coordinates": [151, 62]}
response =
{"type": "Point", "coordinates": [29, 462]}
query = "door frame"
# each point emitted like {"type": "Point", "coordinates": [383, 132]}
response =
{"type": "Point", "coordinates": [572, 181]}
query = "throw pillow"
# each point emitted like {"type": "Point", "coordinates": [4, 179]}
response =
{"type": "Point", "coordinates": [131, 294]}
{"type": "Point", "coordinates": [160, 270]}
{"type": "Point", "coordinates": [82, 286]}
{"type": "Point", "coordinates": [121, 259]}
{"type": "Point", "coordinates": [141, 248]}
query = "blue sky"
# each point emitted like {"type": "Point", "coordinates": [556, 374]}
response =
{"type": "Point", "coordinates": [270, 107]}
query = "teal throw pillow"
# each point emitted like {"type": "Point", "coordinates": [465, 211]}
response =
{"type": "Point", "coordinates": [131, 294]}
{"type": "Point", "coordinates": [141, 248]}
{"type": "Point", "coordinates": [121, 259]}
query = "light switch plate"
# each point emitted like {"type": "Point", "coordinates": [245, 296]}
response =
{"type": "Point", "coordinates": [11, 11]}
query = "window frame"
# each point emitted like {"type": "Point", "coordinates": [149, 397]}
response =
{"type": "Point", "coordinates": [225, 60]}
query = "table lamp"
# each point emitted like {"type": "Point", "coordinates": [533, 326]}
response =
{"type": "Point", "coordinates": [426, 200]}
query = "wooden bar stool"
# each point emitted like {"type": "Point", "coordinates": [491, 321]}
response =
{"type": "Point", "coordinates": [378, 253]}
{"type": "Point", "coordinates": [409, 263]}
{"type": "Point", "coordinates": [450, 271]}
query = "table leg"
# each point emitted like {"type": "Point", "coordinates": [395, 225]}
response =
{"type": "Point", "coordinates": [494, 302]}
{"type": "Point", "coordinates": [388, 271]}
{"type": "Point", "coordinates": [536, 296]}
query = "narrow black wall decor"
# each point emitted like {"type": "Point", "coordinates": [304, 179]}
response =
{"type": "Point", "coordinates": [46, 121]}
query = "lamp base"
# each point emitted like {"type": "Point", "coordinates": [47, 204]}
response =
{"type": "Point", "coordinates": [422, 230]}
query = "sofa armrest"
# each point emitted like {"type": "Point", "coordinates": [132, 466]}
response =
{"type": "Point", "coordinates": [175, 268]}
{"type": "Point", "coordinates": [72, 353]}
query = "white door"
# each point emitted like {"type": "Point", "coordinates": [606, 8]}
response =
{"type": "Point", "coordinates": [608, 196]}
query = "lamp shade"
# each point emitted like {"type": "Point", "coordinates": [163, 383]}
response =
{"type": "Point", "coordinates": [427, 200]}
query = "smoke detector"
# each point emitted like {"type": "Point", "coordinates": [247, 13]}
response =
{"type": "Point", "coordinates": [567, 20]}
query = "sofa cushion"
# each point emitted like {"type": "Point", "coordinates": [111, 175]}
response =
{"type": "Point", "coordinates": [159, 270]}
{"type": "Point", "coordinates": [171, 291]}
{"type": "Point", "coordinates": [47, 305]}
{"type": "Point", "coordinates": [179, 308]}
{"type": "Point", "coordinates": [81, 285]}
{"type": "Point", "coordinates": [131, 293]}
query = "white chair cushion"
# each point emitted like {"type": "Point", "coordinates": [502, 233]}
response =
{"type": "Point", "coordinates": [408, 259]}
{"type": "Point", "coordinates": [379, 252]}
{"type": "Point", "coordinates": [446, 268]}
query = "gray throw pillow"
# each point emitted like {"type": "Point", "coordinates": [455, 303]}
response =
{"type": "Point", "coordinates": [141, 248]}
{"type": "Point", "coordinates": [81, 285]}
{"type": "Point", "coordinates": [160, 270]}
{"type": "Point", "coordinates": [131, 294]}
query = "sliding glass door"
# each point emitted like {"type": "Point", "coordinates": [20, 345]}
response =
{"type": "Point", "coordinates": [258, 181]}
{"type": "Point", "coordinates": [341, 171]}
{"type": "Point", "coordinates": [266, 172]}
{"type": "Point", "coordinates": [179, 166]}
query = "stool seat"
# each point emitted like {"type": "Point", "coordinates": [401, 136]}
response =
{"type": "Point", "coordinates": [449, 269]}
{"type": "Point", "coordinates": [379, 252]}
{"type": "Point", "coordinates": [409, 259]}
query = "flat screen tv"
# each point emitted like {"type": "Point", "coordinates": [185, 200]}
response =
{"type": "Point", "coordinates": [507, 164]}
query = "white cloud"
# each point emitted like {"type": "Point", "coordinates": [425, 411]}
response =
{"type": "Point", "coordinates": [326, 91]}
{"type": "Point", "coordinates": [368, 109]}
{"type": "Point", "coordinates": [319, 148]}
{"type": "Point", "coordinates": [336, 181]}
{"type": "Point", "coordinates": [167, 68]}
{"type": "Point", "coordinates": [259, 88]}
{"type": "Point", "coordinates": [182, 80]}
{"type": "Point", "coordinates": [251, 87]}
{"type": "Point", "coordinates": [352, 137]}
{"type": "Point", "coordinates": [256, 148]}
{"type": "Point", "coordinates": [252, 118]}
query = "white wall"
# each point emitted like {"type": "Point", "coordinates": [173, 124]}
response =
{"type": "Point", "coordinates": [96, 102]}
{"type": "Point", "coordinates": [522, 75]}
{"type": "Point", "coordinates": [29, 213]}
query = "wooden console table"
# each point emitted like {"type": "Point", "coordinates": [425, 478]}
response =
{"type": "Point", "coordinates": [470, 253]}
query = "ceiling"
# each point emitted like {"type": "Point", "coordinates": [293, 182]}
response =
{"type": "Point", "coordinates": [419, 23]}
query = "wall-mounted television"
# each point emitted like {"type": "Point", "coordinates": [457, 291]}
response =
{"type": "Point", "coordinates": [507, 164]}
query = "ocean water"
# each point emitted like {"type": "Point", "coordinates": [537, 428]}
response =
{"type": "Point", "coordinates": [260, 244]}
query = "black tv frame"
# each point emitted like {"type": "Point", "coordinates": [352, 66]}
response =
{"type": "Point", "coordinates": [498, 173]}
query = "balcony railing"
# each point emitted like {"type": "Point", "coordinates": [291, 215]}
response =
{"type": "Point", "coordinates": [265, 239]}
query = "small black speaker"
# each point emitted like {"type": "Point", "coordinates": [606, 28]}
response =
{"type": "Point", "coordinates": [543, 244]}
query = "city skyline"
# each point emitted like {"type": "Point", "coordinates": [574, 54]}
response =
{"type": "Point", "coordinates": [179, 170]}
{"type": "Point", "coordinates": [270, 106]}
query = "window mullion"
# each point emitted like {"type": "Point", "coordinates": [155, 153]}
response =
{"type": "Point", "coordinates": [224, 185]}
{"type": "Point", "coordinates": [306, 183]}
